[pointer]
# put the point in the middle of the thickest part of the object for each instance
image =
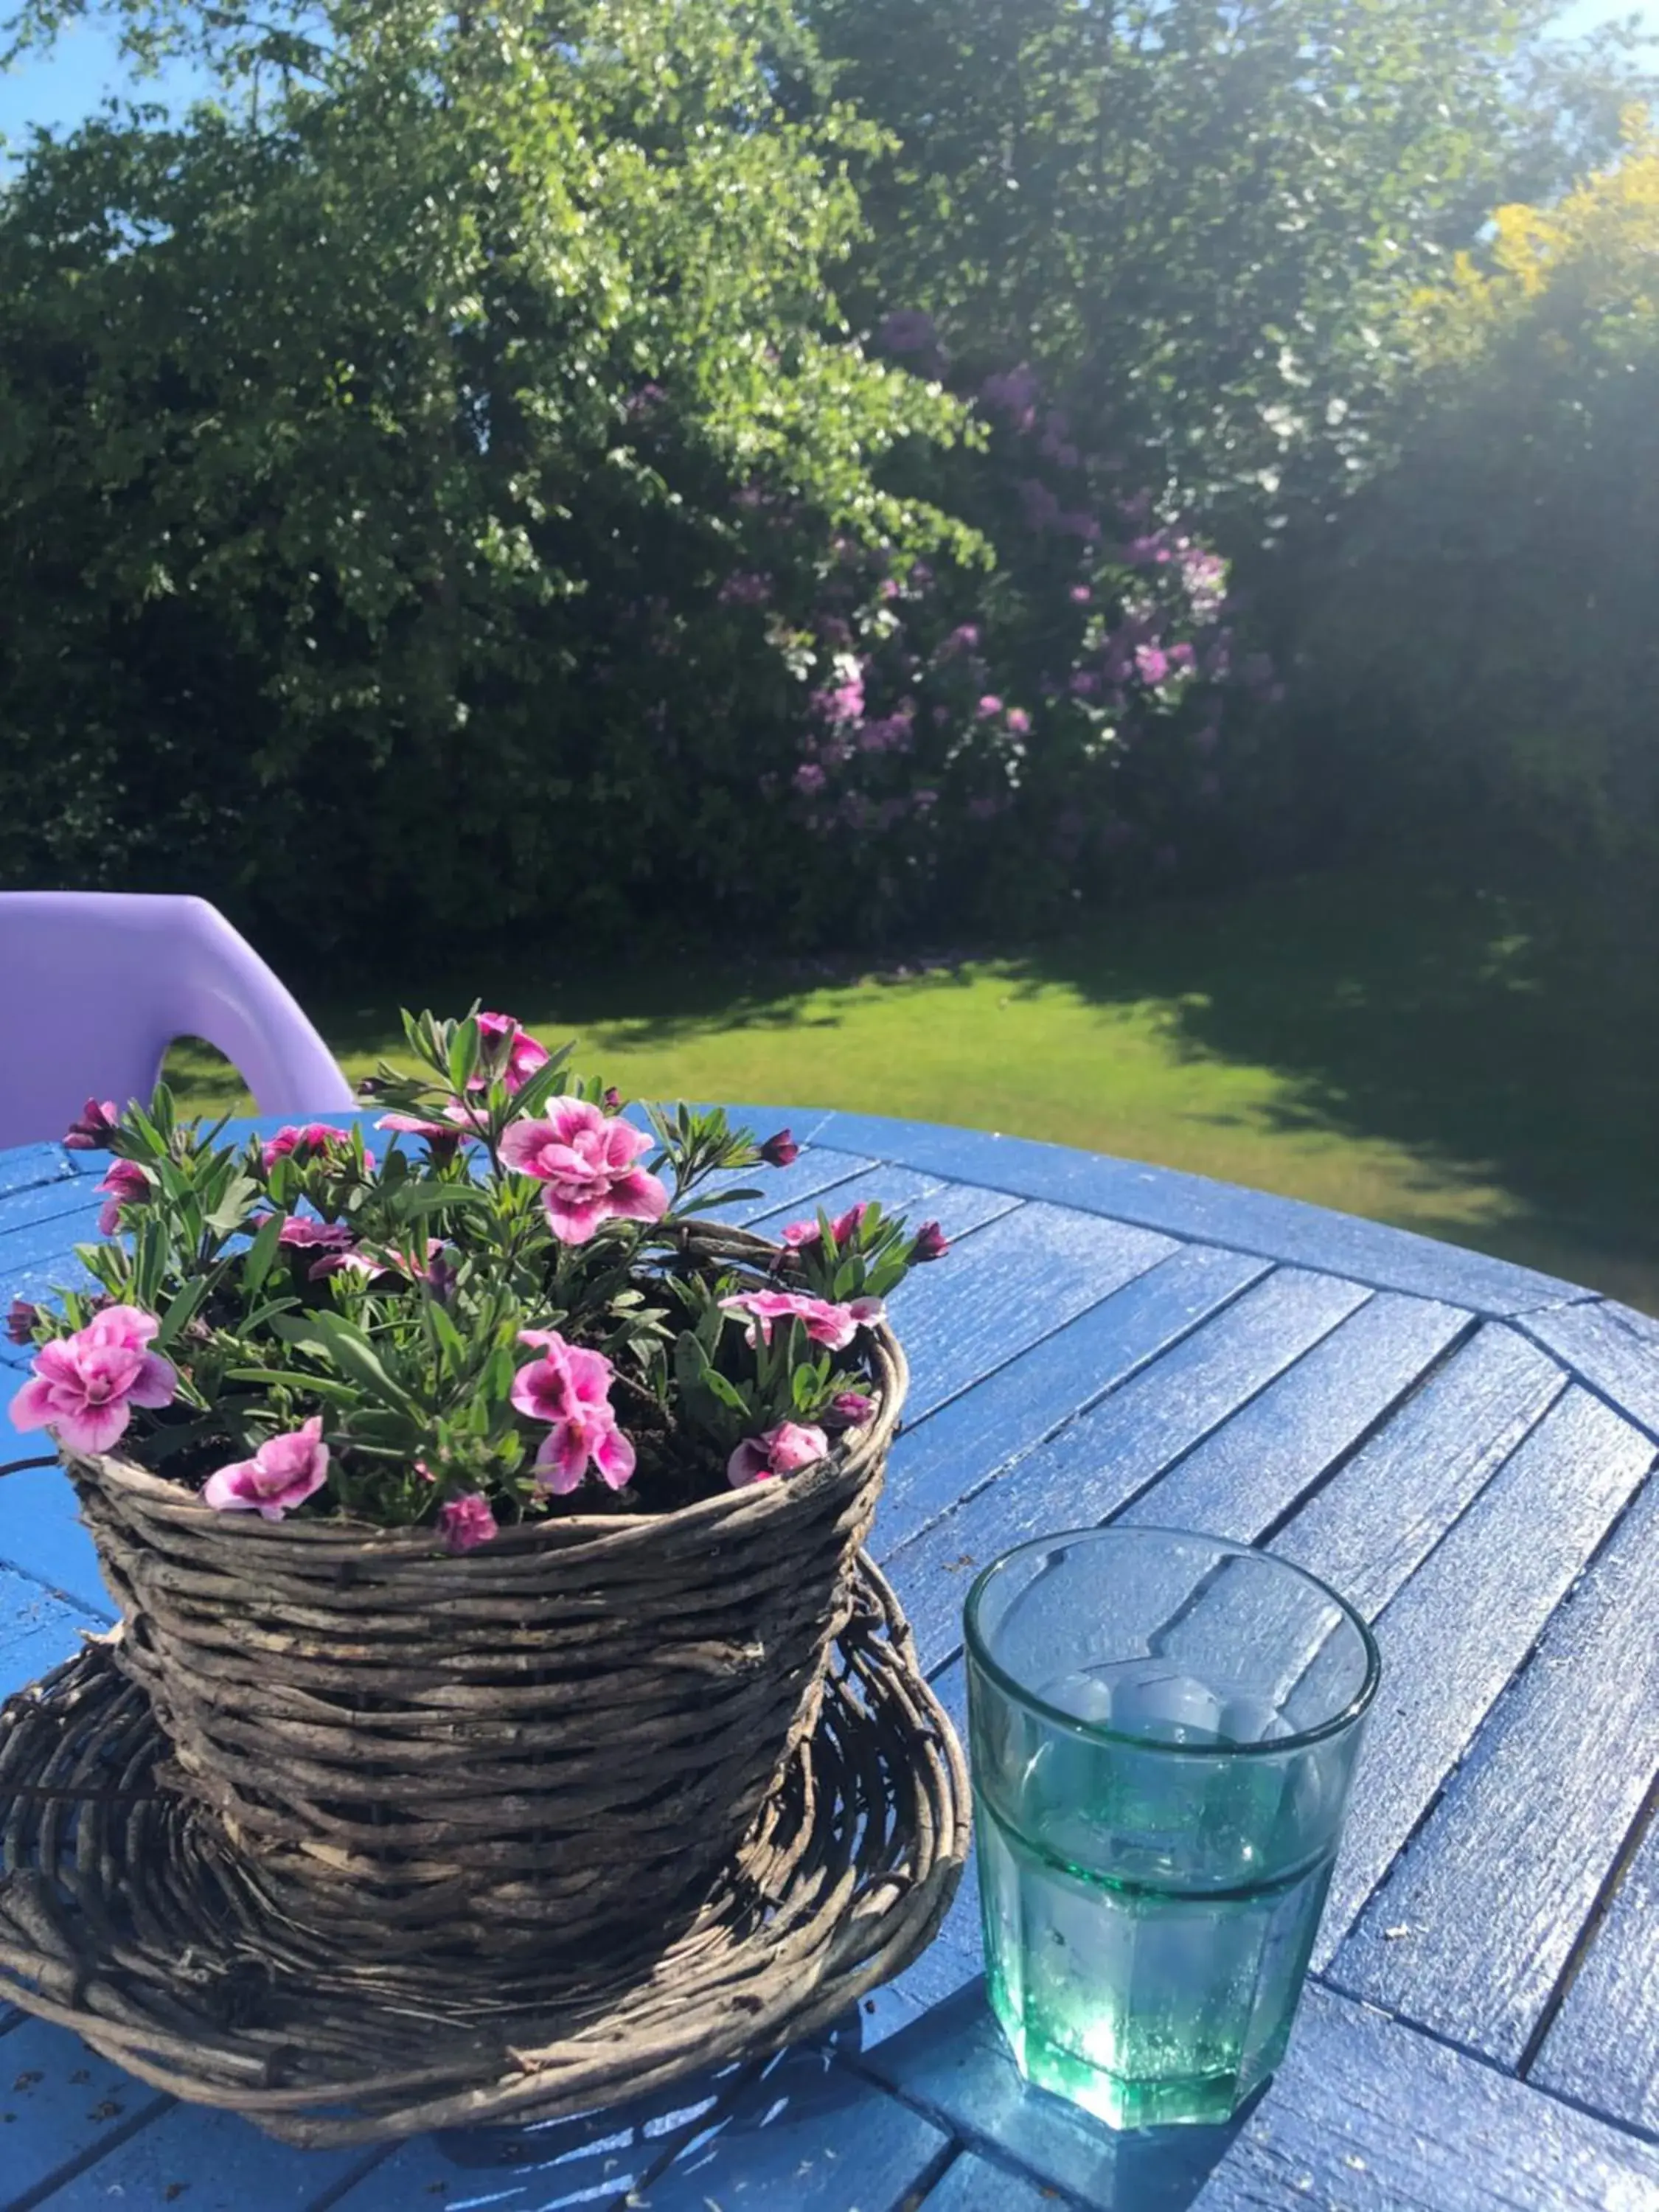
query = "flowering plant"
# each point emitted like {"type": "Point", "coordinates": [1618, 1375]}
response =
{"type": "Point", "coordinates": [494, 1314]}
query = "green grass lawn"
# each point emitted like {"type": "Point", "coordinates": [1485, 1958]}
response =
{"type": "Point", "coordinates": [1475, 1067]}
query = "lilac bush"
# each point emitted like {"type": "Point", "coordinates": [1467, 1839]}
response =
{"type": "Point", "coordinates": [1046, 704]}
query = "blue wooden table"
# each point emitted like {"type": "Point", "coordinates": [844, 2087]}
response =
{"type": "Point", "coordinates": [1462, 1446]}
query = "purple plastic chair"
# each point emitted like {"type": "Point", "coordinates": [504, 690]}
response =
{"type": "Point", "coordinates": [94, 987]}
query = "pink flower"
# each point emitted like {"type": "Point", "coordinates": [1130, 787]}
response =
{"type": "Point", "coordinates": [1019, 722]}
{"type": "Point", "coordinates": [850, 1409]}
{"type": "Point", "coordinates": [91, 1134]}
{"type": "Point", "coordinates": [782, 1450]}
{"type": "Point", "coordinates": [456, 1126]}
{"type": "Point", "coordinates": [1152, 664]}
{"type": "Point", "coordinates": [832, 1326]}
{"type": "Point", "coordinates": [569, 1388]}
{"type": "Point", "coordinates": [809, 778]}
{"type": "Point", "coordinates": [802, 1236]}
{"type": "Point", "coordinates": [780, 1150]}
{"type": "Point", "coordinates": [1081, 595]}
{"type": "Point", "coordinates": [589, 1161]}
{"type": "Point", "coordinates": [990, 704]}
{"type": "Point", "coordinates": [466, 1522]}
{"type": "Point", "coordinates": [931, 1244]}
{"type": "Point", "coordinates": [282, 1474]}
{"type": "Point", "coordinates": [507, 1052]}
{"type": "Point", "coordinates": [128, 1185]}
{"type": "Point", "coordinates": [308, 1141]}
{"type": "Point", "coordinates": [301, 1233]}
{"type": "Point", "coordinates": [385, 1266]}
{"type": "Point", "coordinates": [84, 1387]}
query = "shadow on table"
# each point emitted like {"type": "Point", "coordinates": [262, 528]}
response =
{"type": "Point", "coordinates": [952, 2061]}
{"type": "Point", "coordinates": [849, 2122]}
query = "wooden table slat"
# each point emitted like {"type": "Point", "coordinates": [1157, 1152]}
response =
{"type": "Point", "coordinates": [1603, 2049]}
{"type": "Point", "coordinates": [1368, 2115]}
{"type": "Point", "coordinates": [1382, 1515]}
{"type": "Point", "coordinates": [1615, 1350]}
{"type": "Point", "coordinates": [205, 2161]}
{"type": "Point", "coordinates": [594, 2161]}
{"type": "Point", "coordinates": [37, 1630]}
{"type": "Point", "coordinates": [1193, 1206]}
{"type": "Point", "coordinates": [1103, 1460]}
{"type": "Point", "coordinates": [1255, 1468]}
{"type": "Point", "coordinates": [1467, 1620]}
{"type": "Point", "coordinates": [60, 2107]}
{"type": "Point", "coordinates": [27, 1167]}
{"type": "Point", "coordinates": [999, 1420]}
{"type": "Point", "coordinates": [810, 2134]}
{"type": "Point", "coordinates": [958, 1207]}
{"type": "Point", "coordinates": [1029, 1274]}
{"type": "Point", "coordinates": [971, 2183]}
{"type": "Point", "coordinates": [1472, 1931]}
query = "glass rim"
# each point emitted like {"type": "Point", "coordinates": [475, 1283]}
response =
{"type": "Point", "coordinates": [1278, 1747]}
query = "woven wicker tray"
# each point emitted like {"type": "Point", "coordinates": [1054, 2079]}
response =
{"type": "Point", "coordinates": [123, 1916]}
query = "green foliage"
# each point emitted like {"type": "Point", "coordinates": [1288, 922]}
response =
{"type": "Point", "coordinates": [459, 480]}
{"type": "Point", "coordinates": [391, 1301]}
{"type": "Point", "coordinates": [1480, 623]}
{"type": "Point", "coordinates": [1195, 218]}
{"type": "Point", "coordinates": [354, 444]}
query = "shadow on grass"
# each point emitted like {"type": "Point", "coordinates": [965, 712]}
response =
{"type": "Point", "coordinates": [1515, 1035]}
{"type": "Point", "coordinates": [1511, 1039]}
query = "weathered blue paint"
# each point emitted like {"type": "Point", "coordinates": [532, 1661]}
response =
{"type": "Point", "coordinates": [1466, 1620]}
{"type": "Point", "coordinates": [809, 2133]}
{"type": "Point", "coordinates": [1615, 1351]}
{"type": "Point", "coordinates": [1098, 1463]}
{"type": "Point", "coordinates": [1002, 1418]}
{"type": "Point", "coordinates": [598, 2159]}
{"type": "Point", "coordinates": [207, 2162]}
{"type": "Point", "coordinates": [1603, 2048]}
{"type": "Point", "coordinates": [1385, 1512]}
{"type": "Point", "coordinates": [1476, 1925]}
{"type": "Point", "coordinates": [1197, 1209]}
{"type": "Point", "coordinates": [37, 1631]}
{"type": "Point", "coordinates": [974, 2185]}
{"type": "Point", "coordinates": [1116, 1339]}
{"type": "Point", "coordinates": [27, 1167]}
{"type": "Point", "coordinates": [60, 2107]}
{"type": "Point", "coordinates": [1368, 2115]}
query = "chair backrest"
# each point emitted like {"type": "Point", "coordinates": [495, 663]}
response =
{"type": "Point", "coordinates": [94, 987]}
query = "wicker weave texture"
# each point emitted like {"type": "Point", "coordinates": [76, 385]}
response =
{"type": "Point", "coordinates": [124, 1916]}
{"type": "Point", "coordinates": [557, 1739]}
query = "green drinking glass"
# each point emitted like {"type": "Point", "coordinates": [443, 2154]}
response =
{"type": "Point", "coordinates": [1163, 1730]}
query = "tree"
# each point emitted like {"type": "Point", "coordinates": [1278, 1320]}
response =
{"type": "Point", "coordinates": [1478, 626]}
{"type": "Point", "coordinates": [362, 438]}
{"type": "Point", "coordinates": [1197, 215]}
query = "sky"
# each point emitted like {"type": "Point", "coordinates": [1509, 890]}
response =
{"type": "Point", "coordinates": [71, 81]}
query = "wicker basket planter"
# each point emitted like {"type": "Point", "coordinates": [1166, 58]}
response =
{"type": "Point", "coordinates": [556, 1742]}
{"type": "Point", "coordinates": [126, 1916]}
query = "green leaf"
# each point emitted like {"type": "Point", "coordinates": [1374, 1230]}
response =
{"type": "Point", "coordinates": [332, 1337]}
{"type": "Point", "coordinates": [303, 1385]}
{"type": "Point", "coordinates": [257, 1259]}
{"type": "Point", "coordinates": [465, 1047]}
{"type": "Point", "coordinates": [183, 1307]}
